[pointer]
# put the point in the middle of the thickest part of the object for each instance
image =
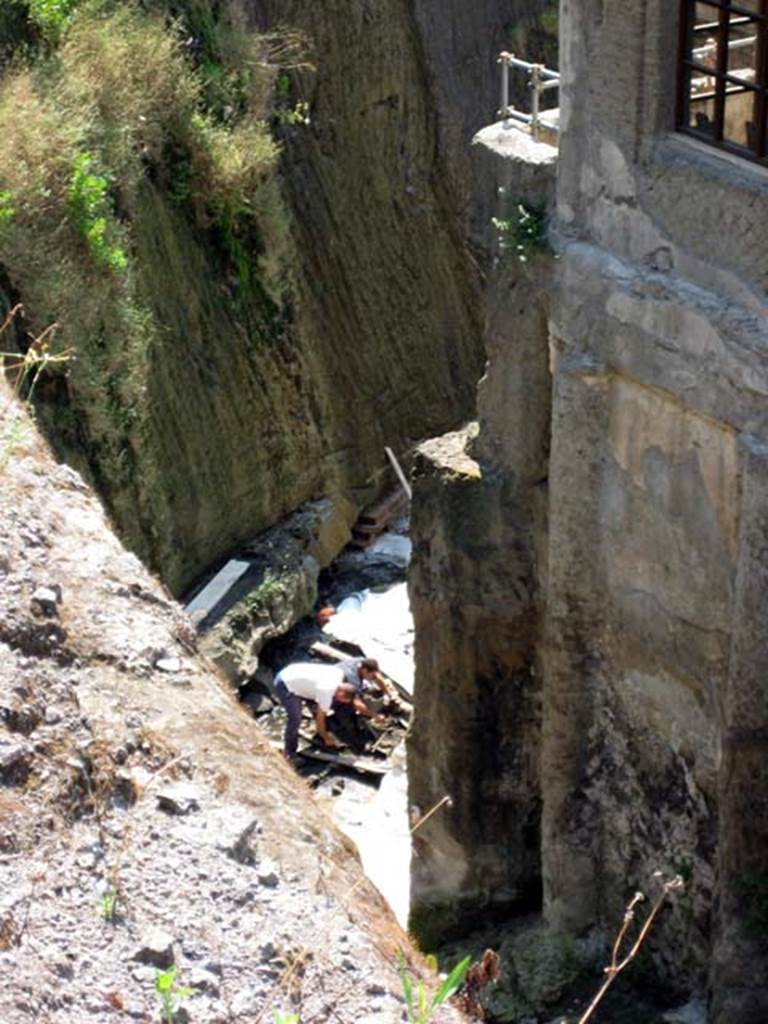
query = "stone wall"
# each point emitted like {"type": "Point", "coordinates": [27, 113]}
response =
{"type": "Point", "coordinates": [649, 558]}
{"type": "Point", "coordinates": [475, 731]}
{"type": "Point", "coordinates": [479, 528]}
{"type": "Point", "coordinates": [658, 334]}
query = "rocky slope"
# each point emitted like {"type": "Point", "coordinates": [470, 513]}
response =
{"type": "Point", "coordinates": [144, 820]}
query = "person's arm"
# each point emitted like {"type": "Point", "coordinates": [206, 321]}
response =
{"type": "Point", "coordinates": [322, 728]}
{"type": "Point", "coordinates": [388, 688]}
{"type": "Point", "coordinates": [362, 709]}
{"type": "Point", "coordinates": [366, 712]}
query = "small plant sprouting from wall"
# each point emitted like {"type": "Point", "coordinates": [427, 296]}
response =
{"type": "Point", "coordinates": [269, 590]}
{"type": "Point", "coordinates": [7, 209]}
{"type": "Point", "coordinates": [286, 112]}
{"type": "Point", "coordinates": [523, 233]}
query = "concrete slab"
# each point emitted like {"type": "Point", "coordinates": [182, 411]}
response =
{"type": "Point", "coordinates": [217, 587]}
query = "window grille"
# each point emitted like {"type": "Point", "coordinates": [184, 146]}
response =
{"type": "Point", "coordinates": [723, 75]}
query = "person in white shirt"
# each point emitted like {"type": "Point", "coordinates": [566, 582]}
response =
{"type": "Point", "coordinates": [323, 684]}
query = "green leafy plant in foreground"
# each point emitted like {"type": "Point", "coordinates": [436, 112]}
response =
{"type": "Point", "coordinates": [109, 905]}
{"type": "Point", "coordinates": [285, 1018]}
{"type": "Point", "coordinates": [170, 993]}
{"type": "Point", "coordinates": [419, 1006]}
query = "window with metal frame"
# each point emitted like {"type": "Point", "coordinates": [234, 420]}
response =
{"type": "Point", "coordinates": [723, 75]}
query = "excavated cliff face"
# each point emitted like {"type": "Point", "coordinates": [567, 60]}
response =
{"type": "Point", "coordinates": [244, 402]}
{"type": "Point", "coordinates": [377, 337]}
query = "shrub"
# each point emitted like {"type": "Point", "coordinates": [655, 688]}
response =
{"type": "Point", "coordinates": [93, 214]}
{"type": "Point", "coordinates": [229, 165]}
{"type": "Point", "coordinates": [127, 76]}
{"type": "Point", "coordinates": [523, 233]}
{"type": "Point", "coordinates": [51, 16]}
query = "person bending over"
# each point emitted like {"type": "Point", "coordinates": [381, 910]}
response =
{"type": "Point", "coordinates": [323, 684]}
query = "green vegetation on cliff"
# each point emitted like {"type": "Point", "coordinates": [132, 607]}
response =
{"type": "Point", "coordinates": [114, 117]}
{"type": "Point", "coordinates": [256, 260]}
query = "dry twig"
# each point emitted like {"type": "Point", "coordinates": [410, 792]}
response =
{"type": "Point", "coordinates": [616, 966]}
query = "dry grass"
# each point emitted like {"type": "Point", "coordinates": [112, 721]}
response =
{"type": "Point", "coordinates": [126, 78]}
{"type": "Point", "coordinates": [157, 122]}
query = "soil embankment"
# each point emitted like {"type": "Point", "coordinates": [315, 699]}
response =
{"type": "Point", "coordinates": [145, 821]}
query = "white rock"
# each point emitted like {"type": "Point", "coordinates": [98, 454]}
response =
{"type": "Point", "coordinates": [179, 798]}
{"type": "Point", "coordinates": [45, 600]}
{"type": "Point", "coordinates": [156, 948]}
{"type": "Point", "coordinates": [204, 980]}
{"type": "Point", "coordinates": [694, 1012]}
{"type": "Point", "coordinates": [168, 664]}
{"type": "Point", "coordinates": [267, 871]}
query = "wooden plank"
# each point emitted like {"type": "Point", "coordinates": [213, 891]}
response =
{"type": "Point", "coordinates": [326, 651]}
{"type": "Point", "coordinates": [358, 764]}
{"type": "Point", "coordinates": [385, 509]}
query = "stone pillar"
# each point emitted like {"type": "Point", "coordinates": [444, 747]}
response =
{"type": "Point", "coordinates": [740, 961]}
{"type": "Point", "coordinates": [475, 732]}
{"type": "Point", "coordinates": [478, 526]}
{"type": "Point", "coordinates": [573, 626]}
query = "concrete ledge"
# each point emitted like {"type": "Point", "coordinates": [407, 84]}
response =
{"type": "Point", "coordinates": [508, 165]}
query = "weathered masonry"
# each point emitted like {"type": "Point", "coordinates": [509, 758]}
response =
{"type": "Point", "coordinates": [591, 571]}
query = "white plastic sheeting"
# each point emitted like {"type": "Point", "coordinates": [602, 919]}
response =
{"type": "Point", "coordinates": [389, 547]}
{"type": "Point", "coordinates": [380, 829]}
{"type": "Point", "coordinates": [380, 622]}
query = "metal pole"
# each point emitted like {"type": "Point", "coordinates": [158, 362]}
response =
{"type": "Point", "coordinates": [535, 99]}
{"type": "Point", "coordinates": [504, 59]}
{"type": "Point", "coordinates": [400, 474]}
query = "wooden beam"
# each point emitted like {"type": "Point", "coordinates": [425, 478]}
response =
{"type": "Point", "coordinates": [358, 764]}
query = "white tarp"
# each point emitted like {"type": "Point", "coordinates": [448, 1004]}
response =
{"type": "Point", "coordinates": [380, 622]}
{"type": "Point", "coordinates": [380, 829]}
{"type": "Point", "coordinates": [389, 547]}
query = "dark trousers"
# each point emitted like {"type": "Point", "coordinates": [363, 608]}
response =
{"type": "Point", "coordinates": [292, 705]}
{"type": "Point", "coordinates": [349, 727]}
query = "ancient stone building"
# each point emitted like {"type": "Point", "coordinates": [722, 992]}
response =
{"type": "Point", "coordinates": [591, 569]}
